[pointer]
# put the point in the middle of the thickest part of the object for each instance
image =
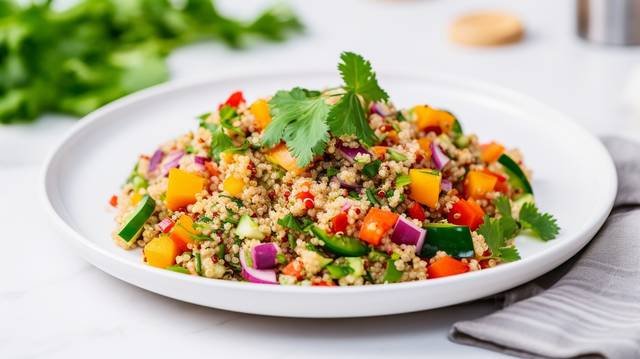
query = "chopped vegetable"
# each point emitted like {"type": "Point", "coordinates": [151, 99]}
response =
{"type": "Point", "coordinates": [372, 197]}
{"type": "Point", "coordinates": [281, 156]}
{"type": "Point", "coordinates": [233, 186]}
{"type": "Point", "coordinates": [478, 184]}
{"type": "Point", "coordinates": [172, 161]}
{"type": "Point", "coordinates": [264, 255]}
{"type": "Point", "coordinates": [166, 225]}
{"type": "Point", "coordinates": [403, 180]}
{"type": "Point", "coordinates": [356, 264]}
{"type": "Point", "coordinates": [337, 271]}
{"type": "Point", "coordinates": [440, 159]}
{"type": "Point", "coordinates": [178, 269]}
{"type": "Point", "coordinates": [350, 153]}
{"type": "Point", "coordinates": [248, 228]}
{"type": "Point", "coordinates": [261, 115]}
{"type": "Point", "coordinates": [155, 160]}
{"type": "Point", "coordinates": [340, 245]}
{"type": "Point", "coordinates": [466, 213]}
{"type": "Point", "coordinates": [396, 156]}
{"type": "Point", "coordinates": [452, 239]}
{"type": "Point", "coordinates": [113, 201]}
{"type": "Point", "coordinates": [183, 233]}
{"type": "Point", "coordinates": [405, 232]}
{"type": "Point", "coordinates": [133, 226]}
{"type": "Point", "coordinates": [294, 269]}
{"type": "Point", "coordinates": [371, 169]}
{"type": "Point", "coordinates": [339, 223]}
{"type": "Point", "coordinates": [446, 266]}
{"type": "Point", "coordinates": [198, 263]}
{"type": "Point", "coordinates": [416, 211]}
{"type": "Point", "coordinates": [391, 273]}
{"type": "Point", "coordinates": [376, 224]}
{"type": "Point", "coordinates": [182, 188]}
{"type": "Point", "coordinates": [429, 119]}
{"type": "Point", "coordinates": [491, 151]}
{"type": "Point", "coordinates": [517, 178]}
{"type": "Point", "coordinates": [425, 186]}
{"type": "Point", "coordinates": [261, 276]}
{"type": "Point", "coordinates": [379, 151]}
{"type": "Point", "coordinates": [160, 252]}
{"type": "Point", "coordinates": [235, 99]}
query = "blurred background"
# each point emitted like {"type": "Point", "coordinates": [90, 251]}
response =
{"type": "Point", "coordinates": [62, 59]}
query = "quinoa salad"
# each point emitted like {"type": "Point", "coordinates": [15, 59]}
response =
{"type": "Point", "coordinates": [330, 187]}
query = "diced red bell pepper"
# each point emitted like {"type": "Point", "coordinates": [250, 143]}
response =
{"type": "Point", "coordinates": [294, 268]}
{"type": "Point", "coordinates": [446, 266]}
{"type": "Point", "coordinates": [166, 225]}
{"type": "Point", "coordinates": [376, 224]}
{"type": "Point", "coordinates": [339, 223]}
{"type": "Point", "coordinates": [416, 212]}
{"type": "Point", "coordinates": [113, 201]}
{"type": "Point", "coordinates": [307, 198]}
{"type": "Point", "coordinates": [235, 99]}
{"type": "Point", "coordinates": [466, 213]}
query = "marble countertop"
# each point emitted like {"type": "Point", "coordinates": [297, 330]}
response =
{"type": "Point", "coordinates": [55, 305]}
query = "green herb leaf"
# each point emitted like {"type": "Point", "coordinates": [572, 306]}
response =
{"type": "Point", "coordinates": [360, 78]}
{"type": "Point", "coordinates": [543, 225]}
{"type": "Point", "coordinates": [372, 197]}
{"type": "Point", "coordinates": [301, 120]}
{"type": "Point", "coordinates": [347, 117]}
{"type": "Point", "coordinates": [332, 171]}
{"type": "Point", "coordinates": [396, 156]}
{"type": "Point", "coordinates": [290, 222]}
{"type": "Point", "coordinates": [509, 254]}
{"type": "Point", "coordinates": [198, 263]}
{"type": "Point", "coordinates": [178, 269]}
{"type": "Point", "coordinates": [508, 224]}
{"type": "Point", "coordinates": [371, 169]}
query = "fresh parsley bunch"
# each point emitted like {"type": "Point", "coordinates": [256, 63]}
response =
{"type": "Point", "coordinates": [303, 119]}
{"type": "Point", "coordinates": [78, 59]}
{"type": "Point", "coordinates": [497, 232]}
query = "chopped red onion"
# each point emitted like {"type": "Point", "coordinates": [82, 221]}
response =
{"type": "Point", "coordinates": [264, 255]}
{"type": "Point", "coordinates": [199, 160]}
{"type": "Point", "coordinates": [346, 206]}
{"type": "Point", "coordinates": [446, 186]}
{"type": "Point", "coordinates": [440, 159]}
{"type": "Point", "coordinates": [173, 161]}
{"type": "Point", "coordinates": [262, 276]}
{"type": "Point", "coordinates": [350, 153]}
{"type": "Point", "coordinates": [345, 185]}
{"type": "Point", "coordinates": [155, 160]}
{"type": "Point", "coordinates": [405, 232]}
{"type": "Point", "coordinates": [380, 109]}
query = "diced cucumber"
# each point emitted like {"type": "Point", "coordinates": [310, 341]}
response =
{"type": "Point", "coordinates": [357, 266]}
{"type": "Point", "coordinates": [454, 240]}
{"type": "Point", "coordinates": [132, 229]}
{"type": "Point", "coordinates": [337, 271]}
{"type": "Point", "coordinates": [248, 228]}
{"type": "Point", "coordinates": [525, 198]}
{"type": "Point", "coordinates": [391, 274]}
{"type": "Point", "coordinates": [517, 178]}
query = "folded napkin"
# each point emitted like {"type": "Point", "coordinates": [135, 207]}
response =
{"type": "Point", "coordinates": [589, 307]}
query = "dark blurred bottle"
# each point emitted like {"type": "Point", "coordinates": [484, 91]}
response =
{"type": "Point", "coordinates": [609, 22]}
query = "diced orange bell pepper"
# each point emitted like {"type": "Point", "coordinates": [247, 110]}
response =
{"type": "Point", "coordinates": [113, 201]}
{"type": "Point", "coordinates": [491, 151]}
{"type": "Point", "coordinates": [260, 111]}
{"type": "Point", "coordinates": [183, 232]}
{"type": "Point", "coordinates": [324, 284]}
{"type": "Point", "coordinates": [182, 188]}
{"type": "Point", "coordinates": [294, 268]}
{"type": "Point", "coordinates": [446, 266]}
{"type": "Point", "coordinates": [226, 157]}
{"type": "Point", "coordinates": [445, 121]}
{"type": "Point", "coordinates": [160, 252]}
{"type": "Point", "coordinates": [281, 156]}
{"type": "Point", "coordinates": [502, 185]}
{"type": "Point", "coordinates": [233, 186]}
{"type": "Point", "coordinates": [466, 213]}
{"type": "Point", "coordinates": [425, 145]}
{"type": "Point", "coordinates": [211, 168]}
{"type": "Point", "coordinates": [478, 183]}
{"type": "Point", "coordinates": [376, 224]}
{"type": "Point", "coordinates": [379, 151]}
{"type": "Point", "coordinates": [425, 186]}
{"type": "Point", "coordinates": [431, 119]}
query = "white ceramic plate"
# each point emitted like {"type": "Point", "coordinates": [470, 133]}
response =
{"type": "Point", "coordinates": [574, 178]}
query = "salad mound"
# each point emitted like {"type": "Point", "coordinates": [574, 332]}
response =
{"type": "Point", "coordinates": [328, 187]}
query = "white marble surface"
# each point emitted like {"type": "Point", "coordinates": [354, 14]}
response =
{"type": "Point", "coordinates": [55, 305]}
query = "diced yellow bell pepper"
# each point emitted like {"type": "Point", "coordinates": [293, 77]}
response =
{"type": "Point", "coordinates": [226, 157]}
{"type": "Point", "coordinates": [233, 186]}
{"type": "Point", "coordinates": [281, 156]}
{"type": "Point", "coordinates": [425, 186]}
{"type": "Point", "coordinates": [182, 189]}
{"type": "Point", "coordinates": [182, 233]}
{"type": "Point", "coordinates": [478, 183]}
{"type": "Point", "coordinates": [160, 252]}
{"type": "Point", "coordinates": [135, 198]}
{"type": "Point", "coordinates": [428, 117]}
{"type": "Point", "coordinates": [260, 111]}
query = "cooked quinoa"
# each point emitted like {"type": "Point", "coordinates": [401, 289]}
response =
{"type": "Point", "coordinates": [410, 207]}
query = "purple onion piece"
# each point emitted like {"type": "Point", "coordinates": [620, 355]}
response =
{"type": "Point", "coordinates": [351, 153]}
{"type": "Point", "coordinates": [380, 109]}
{"type": "Point", "coordinates": [440, 159]}
{"type": "Point", "coordinates": [264, 255]}
{"type": "Point", "coordinates": [262, 276]}
{"type": "Point", "coordinates": [173, 161]}
{"type": "Point", "coordinates": [346, 206]}
{"type": "Point", "coordinates": [200, 160]}
{"type": "Point", "coordinates": [446, 186]}
{"type": "Point", "coordinates": [155, 160]}
{"type": "Point", "coordinates": [405, 232]}
{"type": "Point", "coordinates": [347, 186]}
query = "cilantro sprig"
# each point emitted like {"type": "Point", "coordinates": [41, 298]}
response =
{"type": "Point", "coordinates": [303, 119]}
{"type": "Point", "coordinates": [497, 232]}
{"type": "Point", "coordinates": [220, 140]}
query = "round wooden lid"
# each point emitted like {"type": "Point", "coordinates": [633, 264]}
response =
{"type": "Point", "coordinates": [487, 28]}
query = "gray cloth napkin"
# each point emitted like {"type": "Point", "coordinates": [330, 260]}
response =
{"type": "Point", "coordinates": [590, 306]}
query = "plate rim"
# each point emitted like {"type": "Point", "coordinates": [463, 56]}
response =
{"type": "Point", "coordinates": [77, 238]}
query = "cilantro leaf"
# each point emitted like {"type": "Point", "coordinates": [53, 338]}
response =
{"type": "Point", "coordinates": [493, 235]}
{"type": "Point", "coordinates": [371, 169]}
{"type": "Point", "coordinates": [508, 224]}
{"type": "Point", "coordinates": [543, 225]}
{"type": "Point", "coordinates": [509, 254]}
{"type": "Point", "coordinates": [301, 120]}
{"type": "Point", "coordinates": [360, 78]}
{"type": "Point", "coordinates": [219, 141]}
{"type": "Point", "coordinates": [347, 117]}
{"type": "Point", "coordinates": [290, 222]}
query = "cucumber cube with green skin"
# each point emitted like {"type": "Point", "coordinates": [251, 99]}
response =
{"type": "Point", "coordinates": [357, 266]}
{"type": "Point", "coordinates": [453, 239]}
{"type": "Point", "coordinates": [248, 228]}
{"type": "Point", "coordinates": [132, 229]}
{"type": "Point", "coordinates": [337, 271]}
{"type": "Point", "coordinates": [517, 178]}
